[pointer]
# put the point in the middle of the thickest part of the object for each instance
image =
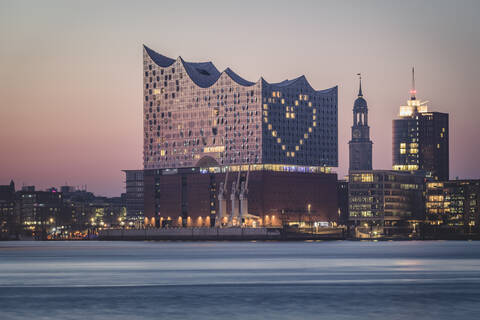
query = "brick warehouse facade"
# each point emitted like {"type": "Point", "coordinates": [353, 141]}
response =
{"type": "Point", "coordinates": [189, 196]}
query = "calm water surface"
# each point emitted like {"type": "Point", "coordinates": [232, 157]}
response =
{"type": "Point", "coordinates": [240, 280]}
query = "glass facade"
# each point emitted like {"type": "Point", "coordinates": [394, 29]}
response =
{"type": "Point", "coordinates": [196, 116]}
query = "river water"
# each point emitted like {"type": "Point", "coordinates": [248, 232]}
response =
{"type": "Point", "coordinates": [240, 280]}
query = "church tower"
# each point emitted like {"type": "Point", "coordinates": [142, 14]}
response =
{"type": "Point", "coordinates": [360, 144]}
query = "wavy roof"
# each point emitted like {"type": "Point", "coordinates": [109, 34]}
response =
{"type": "Point", "coordinates": [205, 74]}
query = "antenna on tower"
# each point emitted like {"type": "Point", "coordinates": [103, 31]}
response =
{"type": "Point", "coordinates": [413, 92]}
{"type": "Point", "coordinates": [360, 94]}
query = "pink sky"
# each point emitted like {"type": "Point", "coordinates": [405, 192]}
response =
{"type": "Point", "coordinates": [71, 77]}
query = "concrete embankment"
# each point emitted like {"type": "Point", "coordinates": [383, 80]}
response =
{"type": "Point", "coordinates": [212, 234]}
{"type": "Point", "coordinates": [191, 234]}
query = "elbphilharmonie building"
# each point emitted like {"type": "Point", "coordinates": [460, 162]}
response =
{"type": "Point", "coordinates": [223, 151]}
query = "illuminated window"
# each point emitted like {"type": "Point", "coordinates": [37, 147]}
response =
{"type": "Point", "coordinates": [265, 120]}
{"type": "Point", "coordinates": [279, 140]}
{"type": "Point", "coordinates": [310, 129]}
{"type": "Point", "coordinates": [269, 126]}
{"type": "Point", "coordinates": [314, 123]}
{"type": "Point", "coordinates": [283, 147]}
{"type": "Point", "coordinates": [265, 106]}
{"type": "Point", "coordinates": [296, 102]}
{"type": "Point", "coordinates": [305, 135]}
{"type": "Point", "coordinates": [367, 177]}
{"type": "Point", "coordinates": [283, 101]}
{"type": "Point", "coordinates": [310, 104]}
{"type": "Point", "coordinates": [274, 133]}
{"type": "Point", "coordinates": [292, 115]}
{"type": "Point", "coordinates": [301, 141]}
{"type": "Point", "coordinates": [297, 148]}
{"type": "Point", "coordinates": [314, 111]}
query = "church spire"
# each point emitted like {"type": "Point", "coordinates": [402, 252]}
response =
{"type": "Point", "coordinates": [360, 94]}
{"type": "Point", "coordinates": [413, 92]}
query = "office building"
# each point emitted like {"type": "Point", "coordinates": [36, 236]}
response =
{"type": "Point", "coordinates": [421, 139]}
{"type": "Point", "coordinates": [454, 203]}
{"type": "Point", "coordinates": [382, 202]}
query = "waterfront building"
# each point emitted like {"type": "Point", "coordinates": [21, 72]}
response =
{"type": "Point", "coordinates": [360, 146]}
{"type": "Point", "coordinates": [200, 123]}
{"type": "Point", "coordinates": [453, 203]}
{"type": "Point", "coordinates": [39, 210]}
{"type": "Point", "coordinates": [382, 202]}
{"type": "Point", "coordinates": [421, 139]}
{"type": "Point", "coordinates": [134, 200]}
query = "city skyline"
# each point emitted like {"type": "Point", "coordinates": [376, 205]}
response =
{"type": "Point", "coordinates": [81, 122]}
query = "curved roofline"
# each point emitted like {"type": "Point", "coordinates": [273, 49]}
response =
{"type": "Point", "coordinates": [205, 74]}
{"type": "Point", "coordinates": [159, 59]}
{"type": "Point", "coordinates": [288, 83]}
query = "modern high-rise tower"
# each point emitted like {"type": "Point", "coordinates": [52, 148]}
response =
{"type": "Point", "coordinates": [420, 139]}
{"type": "Point", "coordinates": [360, 145]}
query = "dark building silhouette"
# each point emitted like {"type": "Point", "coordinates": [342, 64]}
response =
{"type": "Point", "coordinates": [7, 210]}
{"type": "Point", "coordinates": [360, 146]}
{"type": "Point", "coordinates": [39, 211]}
{"type": "Point", "coordinates": [134, 194]}
{"type": "Point", "coordinates": [421, 139]}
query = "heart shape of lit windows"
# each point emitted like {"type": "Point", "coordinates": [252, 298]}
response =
{"type": "Point", "coordinates": [289, 124]}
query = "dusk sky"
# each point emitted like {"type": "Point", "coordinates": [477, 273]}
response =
{"type": "Point", "coordinates": [71, 73]}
